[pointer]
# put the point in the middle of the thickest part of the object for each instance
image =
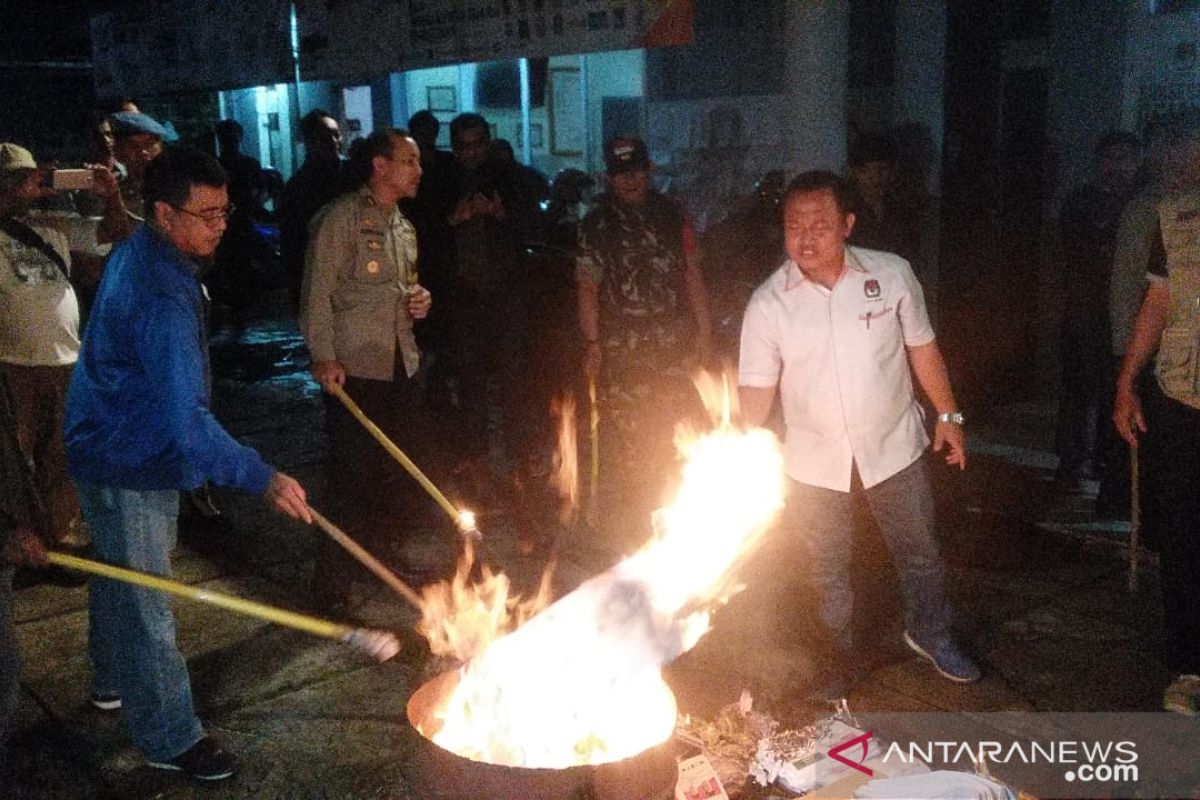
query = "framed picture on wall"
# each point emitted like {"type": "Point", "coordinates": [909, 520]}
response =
{"type": "Point", "coordinates": [537, 137]}
{"type": "Point", "coordinates": [441, 98]}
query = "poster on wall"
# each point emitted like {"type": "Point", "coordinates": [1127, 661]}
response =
{"type": "Point", "coordinates": [361, 38]}
{"type": "Point", "coordinates": [191, 45]}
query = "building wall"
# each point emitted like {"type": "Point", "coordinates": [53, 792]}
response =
{"type": "Point", "coordinates": [920, 71]}
{"type": "Point", "coordinates": [417, 83]}
{"type": "Point", "coordinates": [601, 75]}
{"type": "Point", "coordinates": [712, 149]}
{"type": "Point", "coordinates": [1162, 64]}
{"type": "Point", "coordinates": [617, 74]}
{"type": "Point", "coordinates": [1086, 57]}
{"type": "Point", "coordinates": [242, 105]}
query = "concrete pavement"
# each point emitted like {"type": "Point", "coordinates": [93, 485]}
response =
{"type": "Point", "coordinates": [1039, 585]}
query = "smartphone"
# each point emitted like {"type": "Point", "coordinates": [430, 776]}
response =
{"type": "Point", "coordinates": [71, 179]}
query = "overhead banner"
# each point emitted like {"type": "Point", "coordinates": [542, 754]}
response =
{"type": "Point", "coordinates": [361, 38]}
{"type": "Point", "coordinates": [350, 39]}
{"type": "Point", "coordinates": [191, 45]}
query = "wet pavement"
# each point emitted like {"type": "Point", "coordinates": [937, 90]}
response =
{"type": "Point", "coordinates": [1038, 583]}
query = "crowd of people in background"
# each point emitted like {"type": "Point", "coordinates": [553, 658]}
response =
{"type": "Point", "coordinates": [452, 294]}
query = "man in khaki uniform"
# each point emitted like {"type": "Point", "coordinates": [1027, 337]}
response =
{"type": "Point", "coordinates": [1169, 323]}
{"type": "Point", "coordinates": [359, 301]}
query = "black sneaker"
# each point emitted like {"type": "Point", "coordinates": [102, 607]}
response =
{"type": "Point", "coordinates": [950, 662]}
{"type": "Point", "coordinates": [205, 760]}
{"type": "Point", "coordinates": [106, 701]}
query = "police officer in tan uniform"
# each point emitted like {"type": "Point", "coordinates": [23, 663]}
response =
{"type": "Point", "coordinates": [360, 300]}
{"type": "Point", "coordinates": [1169, 323]}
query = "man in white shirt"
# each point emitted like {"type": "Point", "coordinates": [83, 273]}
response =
{"type": "Point", "coordinates": [839, 332]}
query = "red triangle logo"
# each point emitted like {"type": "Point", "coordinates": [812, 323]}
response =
{"type": "Point", "coordinates": [836, 753]}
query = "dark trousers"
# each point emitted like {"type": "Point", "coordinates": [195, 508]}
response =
{"type": "Point", "coordinates": [369, 494]}
{"type": "Point", "coordinates": [1082, 414]}
{"type": "Point", "coordinates": [10, 665]}
{"type": "Point", "coordinates": [491, 359]}
{"type": "Point", "coordinates": [1176, 438]}
{"type": "Point", "coordinates": [37, 396]}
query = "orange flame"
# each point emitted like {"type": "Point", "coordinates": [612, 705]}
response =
{"type": "Point", "coordinates": [461, 618]}
{"type": "Point", "coordinates": [581, 682]}
{"type": "Point", "coordinates": [565, 477]}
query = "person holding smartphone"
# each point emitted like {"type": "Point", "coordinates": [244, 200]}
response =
{"type": "Point", "coordinates": [39, 329]}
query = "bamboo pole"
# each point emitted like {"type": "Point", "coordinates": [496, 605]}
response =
{"type": "Point", "coordinates": [376, 643]}
{"type": "Point", "coordinates": [464, 520]}
{"type": "Point", "coordinates": [366, 559]}
{"type": "Point", "coordinates": [1135, 518]}
{"type": "Point", "coordinates": [593, 514]}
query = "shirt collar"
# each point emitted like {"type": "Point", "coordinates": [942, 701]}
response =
{"type": "Point", "coordinates": [180, 260]}
{"type": "Point", "coordinates": [794, 276]}
{"type": "Point", "coordinates": [368, 200]}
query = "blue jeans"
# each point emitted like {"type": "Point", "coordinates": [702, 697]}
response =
{"type": "Point", "coordinates": [902, 506]}
{"type": "Point", "coordinates": [132, 635]}
{"type": "Point", "coordinates": [10, 674]}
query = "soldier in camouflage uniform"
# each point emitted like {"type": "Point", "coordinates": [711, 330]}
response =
{"type": "Point", "coordinates": [643, 312]}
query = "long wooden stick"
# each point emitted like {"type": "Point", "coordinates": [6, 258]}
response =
{"type": "Point", "coordinates": [406, 462]}
{"type": "Point", "coordinates": [593, 514]}
{"type": "Point", "coordinates": [366, 559]}
{"type": "Point", "coordinates": [1135, 518]}
{"type": "Point", "coordinates": [250, 608]}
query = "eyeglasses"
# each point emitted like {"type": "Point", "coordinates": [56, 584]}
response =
{"type": "Point", "coordinates": [209, 217]}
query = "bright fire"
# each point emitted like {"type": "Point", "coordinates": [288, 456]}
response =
{"type": "Point", "coordinates": [565, 477]}
{"type": "Point", "coordinates": [581, 682]}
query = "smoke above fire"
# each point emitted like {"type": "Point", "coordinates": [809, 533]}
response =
{"type": "Point", "coordinates": [581, 682]}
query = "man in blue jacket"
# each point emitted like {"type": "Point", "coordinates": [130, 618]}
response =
{"type": "Point", "coordinates": [139, 430]}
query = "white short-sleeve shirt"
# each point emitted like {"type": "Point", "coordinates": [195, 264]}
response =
{"type": "Point", "coordinates": [39, 314]}
{"type": "Point", "coordinates": [840, 359]}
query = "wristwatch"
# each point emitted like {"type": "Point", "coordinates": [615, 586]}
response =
{"type": "Point", "coordinates": [952, 416]}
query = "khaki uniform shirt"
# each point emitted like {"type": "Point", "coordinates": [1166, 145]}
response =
{"type": "Point", "coordinates": [1178, 363]}
{"type": "Point", "coordinates": [359, 269]}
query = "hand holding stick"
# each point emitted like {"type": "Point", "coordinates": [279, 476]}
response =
{"type": "Point", "coordinates": [464, 520]}
{"type": "Point", "coordinates": [380, 645]}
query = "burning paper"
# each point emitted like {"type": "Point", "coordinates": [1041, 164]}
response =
{"type": "Point", "coordinates": [581, 682]}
